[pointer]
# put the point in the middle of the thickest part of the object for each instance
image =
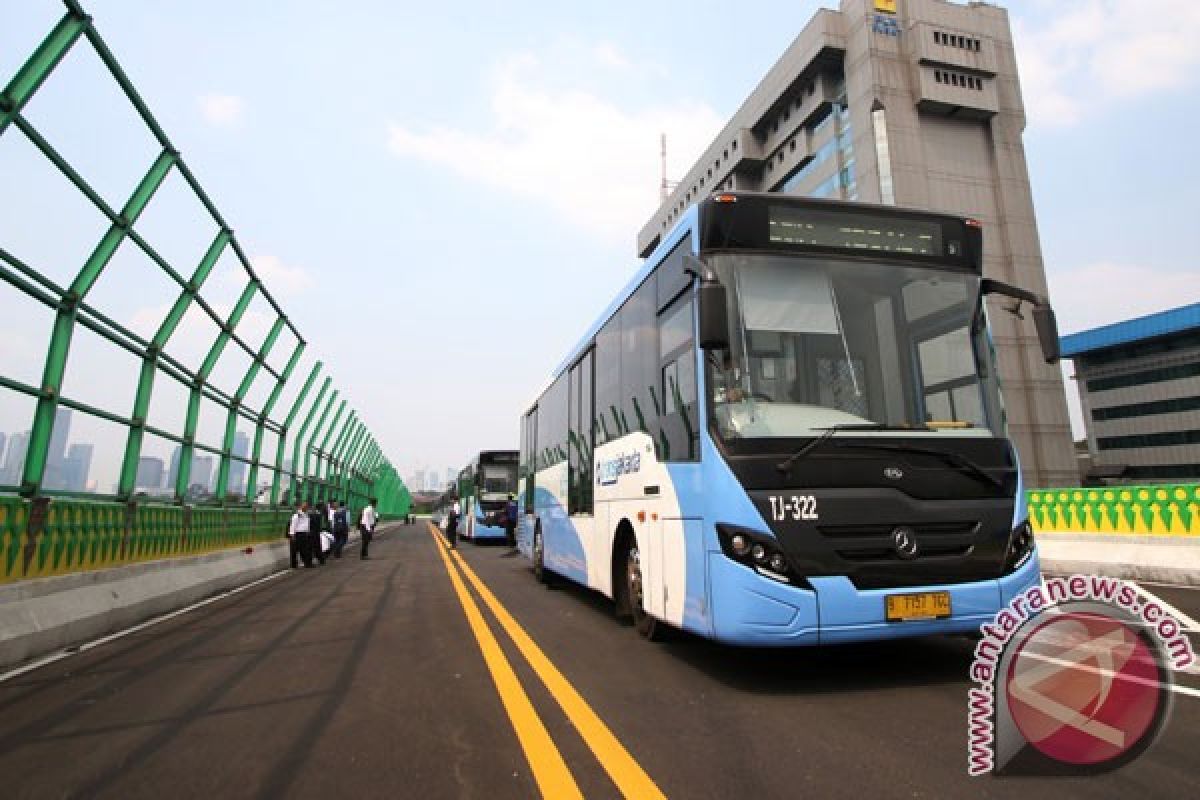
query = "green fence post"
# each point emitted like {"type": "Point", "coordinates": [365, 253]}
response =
{"type": "Point", "coordinates": [351, 459]}
{"type": "Point", "coordinates": [238, 396]}
{"type": "Point", "coordinates": [141, 404]}
{"type": "Point", "coordinates": [38, 67]}
{"type": "Point", "coordinates": [323, 454]}
{"type": "Point", "coordinates": [287, 424]}
{"type": "Point", "coordinates": [309, 477]}
{"type": "Point", "coordinates": [193, 412]}
{"type": "Point", "coordinates": [333, 475]}
{"type": "Point", "coordinates": [296, 463]}
{"type": "Point", "coordinates": [64, 322]}
{"type": "Point", "coordinates": [265, 415]}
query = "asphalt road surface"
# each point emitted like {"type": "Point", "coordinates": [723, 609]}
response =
{"type": "Point", "coordinates": [410, 675]}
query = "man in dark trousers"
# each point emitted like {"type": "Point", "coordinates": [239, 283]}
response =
{"type": "Point", "coordinates": [318, 520]}
{"type": "Point", "coordinates": [510, 526]}
{"type": "Point", "coordinates": [341, 529]}
{"type": "Point", "coordinates": [298, 537]}
{"type": "Point", "coordinates": [452, 525]}
{"type": "Point", "coordinates": [366, 524]}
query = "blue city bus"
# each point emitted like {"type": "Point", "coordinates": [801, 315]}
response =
{"type": "Point", "coordinates": [484, 487]}
{"type": "Point", "coordinates": [788, 430]}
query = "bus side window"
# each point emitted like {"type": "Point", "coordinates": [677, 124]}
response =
{"type": "Point", "coordinates": [529, 456]}
{"type": "Point", "coordinates": [677, 437]}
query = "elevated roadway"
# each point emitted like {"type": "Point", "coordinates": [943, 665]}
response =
{"type": "Point", "coordinates": [423, 673]}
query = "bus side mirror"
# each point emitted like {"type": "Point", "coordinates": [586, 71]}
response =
{"type": "Point", "coordinates": [714, 317]}
{"type": "Point", "coordinates": [1047, 331]}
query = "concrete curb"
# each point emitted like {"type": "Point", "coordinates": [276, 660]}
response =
{"type": "Point", "coordinates": [1160, 559]}
{"type": "Point", "coordinates": [47, 614]}
{"type": "Point", "coordinates": [44, 615]}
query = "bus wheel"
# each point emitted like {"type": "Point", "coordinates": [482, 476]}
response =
{"type": "Point", "coordinates": [543, 575]}
{"type": "Point", "coordinates": [646, 625]}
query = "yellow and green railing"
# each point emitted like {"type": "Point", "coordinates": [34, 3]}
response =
{"type": "Point", "coordinates": [333, 455]}
{"type": "Point", "coordinates": [1166, 510]}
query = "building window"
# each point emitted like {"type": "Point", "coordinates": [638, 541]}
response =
{"type": "Point", "coordinates": [1172, 406]}
{"type": "Point", "coordinates": [1169, 472]}
{"type": "Point", "coordinates": [1144, 377]}
{"type": "Point", "coordinates": [1169, 439]}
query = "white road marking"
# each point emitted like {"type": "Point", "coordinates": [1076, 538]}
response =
{"type": "Point", "coordinates": [1186, 690]}
{"type": "Point", "coordinates": [1189, 625]}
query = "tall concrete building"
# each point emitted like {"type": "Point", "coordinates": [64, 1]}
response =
{"type": "Point", "coordinates": [14, 459]}
{"type": "Point", "coordinates": [238, 469]}
{"type": "Point", "coordinates": [1139, 386]}
{"type": "Point", "coordinates": [915, 103]}
{"type": "Point", "coordinates": [58, 474]}
{"type": "Point", "coordinates": [150, 472]}
{"type": "Point", "coordinates": [77, 467]}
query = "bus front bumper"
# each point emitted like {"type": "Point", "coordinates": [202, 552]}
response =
{"type": "Point", "coordinates": [486, 532]}
{"type": "Point", "coordinates": [753, 610]}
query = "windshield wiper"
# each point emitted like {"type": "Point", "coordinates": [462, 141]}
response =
{"type": "Point", "coordinates": [786, 464]}
{"type": "Point", "coordinates": [962, 463]}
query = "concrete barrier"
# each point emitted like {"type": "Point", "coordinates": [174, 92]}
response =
{"type": "Point", "coordinates": [45, 615]}
{"type": "Point", "coordinates": [1162, 559]}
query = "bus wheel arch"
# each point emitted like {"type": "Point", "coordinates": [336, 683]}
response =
{"type": "Point", "coordinates": [628, 565]}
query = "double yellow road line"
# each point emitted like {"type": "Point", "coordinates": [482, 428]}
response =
{"type": "Point", "coordinates": [553, 777]}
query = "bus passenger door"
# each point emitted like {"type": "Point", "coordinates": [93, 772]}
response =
{"type": "Point", "coordinates": [580, 488]}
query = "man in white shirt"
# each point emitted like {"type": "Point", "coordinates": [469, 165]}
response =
{"type": "Point", "coordinates": [298, 537]}
{"type": "Point", "coordinates": [366, 524]}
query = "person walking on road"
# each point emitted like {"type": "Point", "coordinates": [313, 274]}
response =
{"type": "Point", "coordinates": [298, 537]}
{"type": "Point", "coordinates": [452, 525]}
{"type": "Point", "coordinates": [510, 526]}
{"type": "Point", "coordinates": [341, 529]}
{"type": "Point", "coordinates": [366, 524]}
{"type": "Point", "coordinates": [318, 521]}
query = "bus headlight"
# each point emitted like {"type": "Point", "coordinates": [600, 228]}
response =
{"type": "Point", "coordinates": [739, 544]}
{"type": "Point", "coordinates": [759, 551]}
{"type": "Point", "coordinates": [1020, 546]}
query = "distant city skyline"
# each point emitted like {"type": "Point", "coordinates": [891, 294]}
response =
{"type": "Point", "coordinates": [426, 479]}
{"type": "Point", "coordinates": [68, 464]}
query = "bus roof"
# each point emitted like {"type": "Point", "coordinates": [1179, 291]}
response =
{"type": "Point", "coordinates": [688, 223]}
{"type": "Point", "coordinates": [684, 226]}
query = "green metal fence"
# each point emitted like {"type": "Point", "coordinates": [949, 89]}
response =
{"type": "Point", "coordinates": [332, 452]}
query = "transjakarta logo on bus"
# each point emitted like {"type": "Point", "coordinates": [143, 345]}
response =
{"type": "Point", "coordinates": [607, 472]}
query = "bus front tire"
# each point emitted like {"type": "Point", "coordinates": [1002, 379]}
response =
{"type": "Point", "coordinates": [543, 575]}
{"type": "Point", "coordinates": [650, 628]}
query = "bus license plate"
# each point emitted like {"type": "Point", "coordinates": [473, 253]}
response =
{"type": "Point", "coordinates": [925, 605]}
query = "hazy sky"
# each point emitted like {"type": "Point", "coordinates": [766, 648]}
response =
{"type": "Point", "coordinates": [444, 195]}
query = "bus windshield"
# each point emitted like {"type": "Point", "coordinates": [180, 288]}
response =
{"type": "Point", "coordinates": [499, 479]}
{"type": "Point", "coordinates": [818, 343]}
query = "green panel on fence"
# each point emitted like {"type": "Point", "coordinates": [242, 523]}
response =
{"type": "Point", "coordinates": [1159, 509]}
